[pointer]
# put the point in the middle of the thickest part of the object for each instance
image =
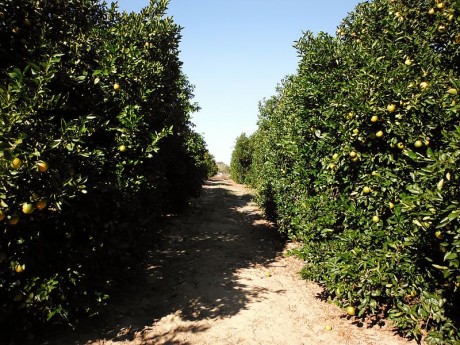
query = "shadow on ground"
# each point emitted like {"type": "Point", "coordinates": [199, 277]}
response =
{"type": "Point", "coordinates": [190, 271]}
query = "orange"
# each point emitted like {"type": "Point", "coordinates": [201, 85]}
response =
{"type": "Point", "coordinates": [42, 166]}
{"type": "Point", "coordinates": [351, 310]}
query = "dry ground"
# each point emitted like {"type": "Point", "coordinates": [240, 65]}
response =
{"type": "Point", "coordinates": [218, 274]}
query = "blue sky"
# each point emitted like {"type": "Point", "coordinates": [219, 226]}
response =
{"type": "Point", "coordinates": [236, 52]}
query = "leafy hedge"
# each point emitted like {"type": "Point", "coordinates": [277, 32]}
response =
{"type": "Point", "coordinates": [95, 140]}
{"type": "Point", "coordinates": [241, 160]}
{"type": "Point", "coordinates": [358, 157]}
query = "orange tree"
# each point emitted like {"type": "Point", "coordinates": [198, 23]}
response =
{"type": "Point", "coordinates": [241, 160]}
{"type": "Point", "coordinates": [94, 137]}
{"type": "Point", "coordinates": [204, 161]}
{"type": "Point", "coordinates": [357, 156]}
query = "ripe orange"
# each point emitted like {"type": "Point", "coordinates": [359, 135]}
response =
{"type": "Point", "coordinates": [122, 148]}
{"type": "Point", "coordinates": [374, 118]}
{"type": "Point", "coordinates": [423, 85]}
{"type": "Point", "coordinates": [375, 219]}
{"type": "Point", "coordinates": [391, 205]}
{"type": "Point", "coordinates": [418, 143]}
{"type": "Point", "coordinates": [27, 208]}
{"type": "Point", "coordinates": [379, 134]}
{"type": "Point", "coordinates": [19, 268]}
{"type": "Point", "coordinates": [14, 220]}
{"type": "Point", "coordinates": [116, 87]}
{"type": "Point", "coordinates": [366, 190]}
{"type": "Point", "coordinates": [42, 166]}
{"type": "Point", "coordinates": [16, 163]}
{"type": "Point", "coordinates": [41, 204]}
{"type": "Point", "coordinates": [431, 11]}
{"type": "Point", "coordinates": [353, 154]}
{"type": "Point", "coordinates": [400, 145]}
{"type": "Point", "coordinates": [439, 235]}
{"type": "Point", "coordinates": [391, 108]}
{"type": "Point", "coordinates": [2, 215]}
{"type": "Point", "coordinates": [351, 310]}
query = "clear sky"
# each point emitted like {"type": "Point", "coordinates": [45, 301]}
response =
{"type": "Point", "coordinates": [236, 52]}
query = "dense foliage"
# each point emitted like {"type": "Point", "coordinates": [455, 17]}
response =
{"type": "Point", "coordinates": [203, 160]}
{"type": "Point", "coordinates": [358, 156]}
{"type": "Point", "coordinates": [241, 161]}
{"type": "Point", "coordinates": [95, 142]}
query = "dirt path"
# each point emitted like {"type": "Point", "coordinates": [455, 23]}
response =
{"type": "Point", "coordinates": [218, 276]}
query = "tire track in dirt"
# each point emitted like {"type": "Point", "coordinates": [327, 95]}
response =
{"type": "Point", "coordinates": [217, 275]}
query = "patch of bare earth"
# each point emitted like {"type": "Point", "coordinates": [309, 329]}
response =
{"type": "Point", "coordinates": [218, 274]}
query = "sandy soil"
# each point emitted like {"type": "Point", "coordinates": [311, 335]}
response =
{"type": "Point", "coordinates": [218, 274]}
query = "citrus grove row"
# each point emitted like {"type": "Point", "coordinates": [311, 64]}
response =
{"type": "Point", "coordinates": [96, 143]}
{"type": "Point", "coordinates": [358, 156]}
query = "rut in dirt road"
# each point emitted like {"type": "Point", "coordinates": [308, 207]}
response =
{"type": "Point", "coordinates": [217, 275]}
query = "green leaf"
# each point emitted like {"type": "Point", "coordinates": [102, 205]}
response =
{"type": "Point", "coordinates": [453, 215]}
{"type": "Point", "coordinates": [450, 256]}
{"type": "Point", "coordinates": [440, 267]}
